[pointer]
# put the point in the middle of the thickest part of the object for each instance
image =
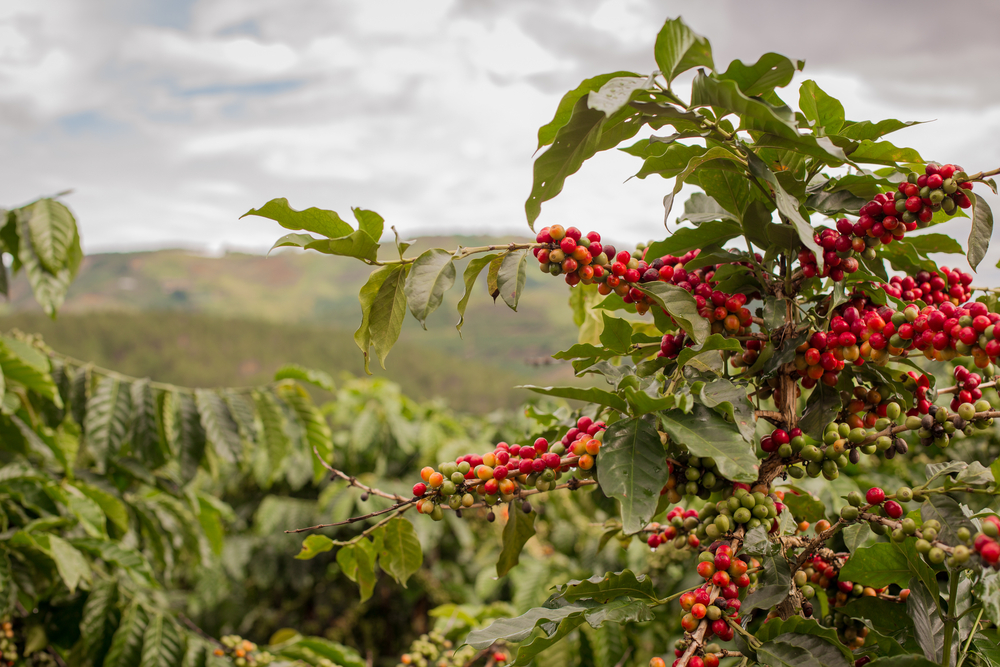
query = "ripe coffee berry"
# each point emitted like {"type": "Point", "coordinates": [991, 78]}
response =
{"type": "Point", "coordinates": [893, 509]}
{"type": "Point", "coordinates": [875, 496]}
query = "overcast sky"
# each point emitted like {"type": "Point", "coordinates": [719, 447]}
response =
{"type": "Point", "coordinates": [170, 118]}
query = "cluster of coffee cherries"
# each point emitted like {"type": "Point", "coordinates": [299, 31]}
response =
{"type": "Point", "coordinates": [967, 384]}
{"type": "Point", "coordinates": [680, 530]}
{"type": "Point", "coordinates": [838, 253]}
{"type": "Point", "coordinates": [945, 331]}
{"type": "Point", "coordinates": [692, 476]}
{"type": "Point", "coordinates": [244, 653]}
{"type": "Point", "coordinates": [582, 259]}
{"type": "Point", "coordinates": [822, 574]}
{"type": "Point", "coordinates": [939, 188]}
{"type": "Point", "coordinates": [932, 286]}
{"type": "Point", "coordinates": [499, 475]}
{"type": "Point", "coordinates": [709, 657]}
{"type": "Point", "coordinates": [8, 646]}
{"type": "Point", "coordinates": [434, 649]}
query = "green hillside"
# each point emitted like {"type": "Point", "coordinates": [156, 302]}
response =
{"type": "Point", "coordinates": [203, 321]}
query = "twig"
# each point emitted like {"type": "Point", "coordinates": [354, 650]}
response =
{"type": "Point", "coordinates": [952, 390]}
{"type": "Point", "coordinates": [353, 481]}
{"type": "Point", "coordinates": [624, 657]}
{"type": "Point", "coordinates": [394, 508]}
{"type": "Point", "coordinates": [204, 635]}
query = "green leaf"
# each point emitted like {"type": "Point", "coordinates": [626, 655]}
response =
{"type": "Point", "coordinates": [70, 563]}
{"type": "Point", "coordinates": [946, 509]}
{"type": "Point", "coordinates": [988, 592]}
{"type": "Point", "coordinates": [369, 222]}
{"type": "Point", "coordinates": [338, 654]}
{"type": "Point", "coordinates": [705, 433]}
{"type": "Point", "coordinates": [617, 334]}
{"type": "Point", "coordinates": [357, 561]}
{"type": "Point", "coordinates": [317, 432]}
{"type": "Point", "coordinates": [700, 208]}
{"type": "Point", "coordinates": [547, 133]}
{"type": "Point", "coordinates": [107, 421]}
{"type": "Point", "coordinates": [776, 628]}
{"type": "Point", "coordinates": [882, 152]}
{"type": "Point", "coordinates": [670, 161]}
{"type": "Point", "coordinates": [788, 205]}
{"type": "Point", "coordinates": [8, 588]}
{"type": "Point", "coordinates": [882, 564]}
{"type": "Point", "coordinates": [49, 287]}
{"type": "Point", "coordinates": [471, 274]}
{"type": "Point", "coordinates": [145, 430]}
{"type": "Point", "coordinates": [773, 585]}
{"type": "Point", "coordinates": [356, 244]}
{"type": "Point", "coordinates": [587, 132]}
{"type": "Point", "coordinates": [633, 470]}
{"type": "Point", "coordinates": [795, 650]}
{"type": "Point", "coordinates": [922, 608]}
{"type": "Point", "coordinates": [314, 377]}
{"type": "Point", "coordinates": [319, 221]}
{"type": "Point", "coordinates": [520, 528]}
{"type": "Point", "coordinates": [432, 275]}
{"type": "Point", "coordinates": [511, 276]}
{"type": "Point", "coordinates": [732, 399]}
{"type": "Point", "coordinates": [823, 406]}
{"type": "Point", "coordinates": [607, 587]}
{"type": "Point", "coordinates": [313, 546]}
{"type": "Point", "coordinates": [755, 114]}
{"type": "Point", "coordinates": [162, 645]}
{"type": "Point", "coordinates": [400, 554]}
{"type": "Point", "coordinates": [190, 436]}
{"type": "Point", "coordinates": [827, 113]}
{"type": "Point", "coordinates": [616, 93]}
{"type": "Point", "coordinates": [210, 519]}
{"type": "Point", "coordinates": [904, 661]}
{"type": "Point", "coordinates": [367, 297]}
{"type": "Point", "coordinates": [275, 439]}
{"type": "Point", "coordinates": [24, 364]}
{"type": "Point", "coordinates": [129, 560]}
{"type": "Point", "coordinates": [680, 304]}
{"type": "Point", "coordinates": [678, 49]}
{"type": "Point", "coordinates": [98, 620]}
{"type": "Point", "coordinates": [885, 616]}
{"type": "Point", "coordinates": [857, 535]}
{"type": "Point", "coordinates": [868, 130]}
{"type": "Point", "coordinates": [685, 238]}
{"type": "Point", "coordinates": [981, 231]}
{"type": "Point", "coordinates": [925, 244]}
{"type": "Point", "coordinates": [387, 311]}
{"type": "Point", "coordinates": [293, 241]}
{"type": "Point", "coordinates": [555, 624]}
{"type": "Point", "coordinates": [804, 506]}
{"type": "Point", "coordinates": [772, 70]}
{"type": "Point", "coordinates": [126, 644]}
{"type": "Point", "coordinates": [219, 425]}
{"type": "Point", "coordinates": [587, 395]}
{"type": "Point", "coordinates": [53, 233]}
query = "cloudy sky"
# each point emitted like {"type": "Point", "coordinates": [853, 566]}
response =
{"type": "Point", "coordinates": [171, 118]}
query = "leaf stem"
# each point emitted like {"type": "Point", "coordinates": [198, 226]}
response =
{"type": "Point", "coordinates": [975, 627]}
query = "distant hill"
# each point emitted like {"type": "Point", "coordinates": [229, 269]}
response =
{"type": "Point", "coordinates": [201, 320]}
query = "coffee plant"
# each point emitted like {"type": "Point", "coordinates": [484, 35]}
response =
{"type": "Point", "coordinates": [779, 370]}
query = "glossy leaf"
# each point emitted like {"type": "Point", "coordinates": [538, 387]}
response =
{"type": "Point", "coordinates": [588, 395]}
{"type": "Point", "coordinates": [616, 93]}
{"type": "Point", "coordinates": [685, 238]}
{"type": "Point", "coordinates": [547, 133]}
{"type": "Point", "coordinates": [107, 421]}
{"type": "Point", "coordinates": [822, 407]}
{"type": "Point", "coordinates": [882, 152]}
{"type": "Point", "coordinates": [826, 113]}
{"type": "Point", "coordinates": [432, 275]}
{"type": "Point", "coordinates": [145, 431]}
{"type": "Point", "coordinates": [313, 546]}
{"type": "Point", "coordinates": [705, 433]}
{"type": "Point", "coordinates": [400, 554]}
{"type": "Point", "coordinates": [617, 334]}
{"type": "Point", "coordinates": [24, 364]}
{"type": "Point", "coordinates": [387, 311]}
{"type": "Point", "coordinates": [988, 592]}
{"type": "Point", "coordinates": [885, 616]}
{"type": "Point", "coordinates": [367, 297]}
{"type": "Point", "coordinates": [219, 425]}
{"type": "Point", "coordinates": [948, 512]}
{"type": "Point", "coordinates": [162, 644]}
{"type": "Point", "coordinates": [678, 49]}
{"type": "Point", "coordinates": [511, 277]}
{"type": "Point", "coordinates": [857, 535]}
{"type": "Point", "coordinates": [191, 437]}
{"type": "Point", "coordinates": [520, 527]}
{"type": "Point", "coordinates": [795, 650]}
{"type": "Point", "coordinates": [731, 400]}
{"type": "Point", "coordinates": [922, 608]}
{"type": "Point", "coordinates": [805, 506]}
{"type": "Point", "coordinates": [369, 222]}
{"type": "Point", "coordinates": [357, 244]}
{"type": "Point", "coordinates": [471, 274]}
{"type": "Point", "coordinates": [633, 470]}
{"type": "Point", "coordinates": [126, 644]}
{"type": "Point", "coordinates": [53, 232]}
{"type": "Point", "coordinates": [700, 208]}
{"type": "Point", "coordinates": [318, 221]}
{"type": "Point", "coordinates": [777, 628]}
{"type": "Point", "coordinates": [607, 587]}
{"type": "Point", "coordinates": [680, 304]}
{"type": "Point", "coordinates": [773, 584]}
{"type": "Point", "coordinates": [314, 377]}
{"type": "Point", "coordinates": [357, 562]}
{"type": "Point", "coordinates": [981, 231]}
{"type": "Point", "coordinates": [772, 70]}
{"type": "Point", "coordinates": [755, 114]}
{"type": "Point", "coordinates": [49, 287]}
{"type": "Point", "coordinates": [587, 131]}
{"type": "Point", "coordinates": [70, 563]}
{"type": "Point", "coordinates": [882, 564]}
